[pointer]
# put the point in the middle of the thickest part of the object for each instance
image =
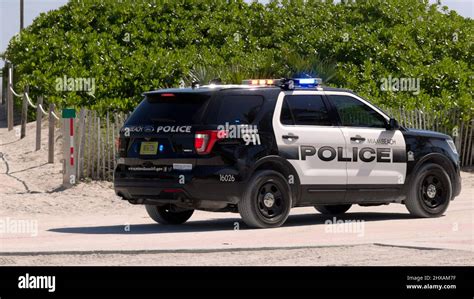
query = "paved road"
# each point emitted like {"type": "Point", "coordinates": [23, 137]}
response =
{"type": "Point", "coordinates": [129, 228]}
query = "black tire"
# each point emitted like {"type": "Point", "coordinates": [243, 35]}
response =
{"type": "Point", "coordinates": [430, 192]}
{"type": "Point", "coordinates": [267, 201]}
{"type": "Point", "coordinates": [168, 214]}
{"type": "Point", "coordinates": [332, 209]}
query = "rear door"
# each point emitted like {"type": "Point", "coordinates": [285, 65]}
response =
{"type": "Point", "coordinates": [307, 136]}
{"type": "Point", "coordinates": [376, 157]}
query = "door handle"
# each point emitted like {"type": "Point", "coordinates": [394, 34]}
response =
{"type": "Point", "coordinates": [358, 138]}
{"type": "Point", "coordinates": [290, 137]}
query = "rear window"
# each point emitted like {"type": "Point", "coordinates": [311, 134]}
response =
{"type": "Point", "coordinates": [235, 109]}
{"type": "Point", "coordinates": [183, 109]}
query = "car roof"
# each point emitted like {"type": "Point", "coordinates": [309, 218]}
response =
{"type": "Point", "coordinates": [240, 87]}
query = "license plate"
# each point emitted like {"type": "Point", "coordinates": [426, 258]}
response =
{"type": "Point", "coordinates": [180, 166]}
{"type": "Point", "coordinates": [148, 148]}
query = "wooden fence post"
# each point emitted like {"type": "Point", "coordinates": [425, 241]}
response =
{"type": "Point", "coordinates": [456, 132]}
{"type": "Point", "coordinates": [39, 117]}
{"type": "Point", "coordinates": [467, 140]}
{"type": "Point", "coordinates": [10, 98]}
{"type": "Point", "coordinates": [89, 143]}
{"type": "Point", "coordinates": [80, 144]}
{"type": "Point", "coordinates": [114, 144]}
{"type": "Point", "coordinates": [108, 146]}
{"type": "Point", "coordinates": [92, 152]}
{"type": "Point", "coordinates": [471, 141]}
{"type": "Point", "coordinates": [104, 156]}
{"type": "Point", "coordinates": [98, 154]}
{"type": "Point", "coordinates": [24, 113]}
{"type": "Point", "coordinates": [51, 134]}
{"type": "Point", "coordinates": [4, 86]}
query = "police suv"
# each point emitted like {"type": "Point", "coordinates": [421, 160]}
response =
{"type": "Point", "coordinates": [266, 146]}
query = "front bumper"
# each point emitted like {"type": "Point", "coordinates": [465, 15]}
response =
{"type": "Point", "coordinates": [457, 183]}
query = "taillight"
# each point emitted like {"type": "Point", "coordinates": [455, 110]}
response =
{"type": "Point", "coordinates": [204, 140]}
{"type": "Point", "coordinates": [117, 143]}
{"type": "Point", "coordinates": [120, 144]}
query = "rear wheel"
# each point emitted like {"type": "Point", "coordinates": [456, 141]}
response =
{"type": "Point", "coordinates": [332, 209]}
{"type": "Point", "coordinates": [168, 214]}
{"type": "Point", "coordinates": [430, 192]}
{"type": "Point", "coordinates": [267, 200]}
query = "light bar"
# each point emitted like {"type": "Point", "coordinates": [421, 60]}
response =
{"type": "Point", "coordinates": [260, 82]}
{"type": "Point", "coordinates": [290, 83]}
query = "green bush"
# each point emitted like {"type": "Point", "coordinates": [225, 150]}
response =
{"type": "Point", "coordinates": [132, 46]}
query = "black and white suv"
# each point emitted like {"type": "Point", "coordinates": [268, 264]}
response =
{"type": "Point", "coordinates": [264, 147]}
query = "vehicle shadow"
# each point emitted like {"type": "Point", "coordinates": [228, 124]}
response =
{"type": "Point", "coordinates": [223, 224]}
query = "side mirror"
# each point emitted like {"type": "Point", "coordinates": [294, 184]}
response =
{"type": "Point", "coordinates": [393, 124]}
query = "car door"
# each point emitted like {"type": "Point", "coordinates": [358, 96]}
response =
{"type": "Point", "coordinates": [308, 137]}
{"type": "Point", "coordinates": [376, 156]}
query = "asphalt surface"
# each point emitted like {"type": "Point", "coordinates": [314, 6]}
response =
{"type": "Point", "coordinates": [133, 230]}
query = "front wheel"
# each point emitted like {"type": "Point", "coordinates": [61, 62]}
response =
{"type": "Point", "coordinates": [430, 192]}
{"type": "Point", "coordinates": [332, 209]}
{"type": "Point", "coordinates": [267, 200]}
{"type": "Point", "coordinates": [168, 214]}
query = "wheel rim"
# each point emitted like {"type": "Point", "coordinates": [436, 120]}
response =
{"type": "Point", "coordinates": [433, 191]}
{"type": "Point", "coordinates": [270, 202]}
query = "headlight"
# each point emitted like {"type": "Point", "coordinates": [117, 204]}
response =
{"type": "Point", "coordinates": [452, 146]}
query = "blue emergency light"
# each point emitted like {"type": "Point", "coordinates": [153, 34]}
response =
{"type": "Point", "coordinates": [307, 82]}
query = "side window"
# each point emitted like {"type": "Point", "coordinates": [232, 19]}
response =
{"type": "Point", "coordinates": [238, 109]}
{"type": "Point", "coordinates": [286, 117]}
{"type": "Point", "coordinates": [354, 113]}
{"type": "Point", "coordinates": [305, 110]}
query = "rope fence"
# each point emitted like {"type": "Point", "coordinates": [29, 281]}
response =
{"type": "Point", "coordinates": [30, 102]}
{"type": "Point", "coordinates": [40, 112]}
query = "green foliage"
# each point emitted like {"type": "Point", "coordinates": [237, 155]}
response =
{"type": "Point", "coordinates": [132, 46]}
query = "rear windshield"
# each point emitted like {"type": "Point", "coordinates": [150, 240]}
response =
{"type": "Point", "coordinates": [183, 109]}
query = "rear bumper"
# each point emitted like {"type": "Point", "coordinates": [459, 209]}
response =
{"type": "Point", "coordinates": [194, 189]}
